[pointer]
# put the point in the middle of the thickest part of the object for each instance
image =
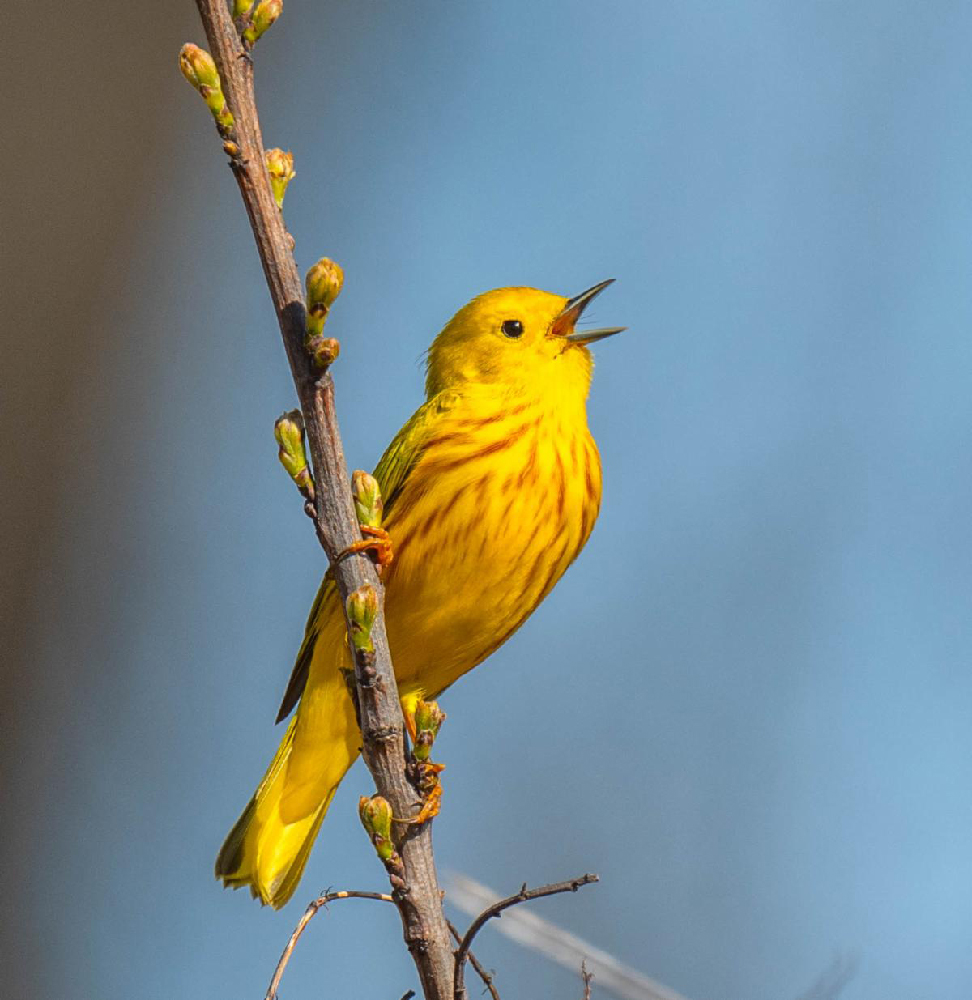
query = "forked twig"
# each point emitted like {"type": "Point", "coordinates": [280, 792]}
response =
{"type": "Point", "coordinates": [560, 946]}
{"type": "Point", "coordinates": [523, 896]}
{"type": "Point", "coordinates": [319, 903]}
{"type": "Point", "coordinates": [586, 977]}
{"type": "Point", "coordinates": [486, 977]}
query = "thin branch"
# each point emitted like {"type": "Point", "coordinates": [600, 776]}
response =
{"type": "Point", "coordinates": [419, 898]}
{"type": "Point", "coordinates": [586, 978]}
{"type": "Point", "coordinates": [523, 896]}
{"type": "Point", "coordinates": [485, 976]}
{"type": "Point", "coordinates": [560, 946]}
{"type": "Point", "coordinates": [311, 910]}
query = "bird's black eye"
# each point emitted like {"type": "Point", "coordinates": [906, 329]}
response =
{"type": "Point", "coordinates": [512, 328]}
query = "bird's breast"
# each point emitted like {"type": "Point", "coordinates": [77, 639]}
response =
{"type": "Point", "coordinates": [498, 506]}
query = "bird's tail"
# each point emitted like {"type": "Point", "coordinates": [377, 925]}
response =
{"type": "Point", "coordinates": [270, 843]}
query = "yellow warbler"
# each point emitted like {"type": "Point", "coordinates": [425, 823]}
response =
{"type": "Point", "coordinates": [490, 491]}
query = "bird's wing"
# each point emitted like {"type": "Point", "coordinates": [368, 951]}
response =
{"type": "Point", "coordinates": [400, 458]}
{"type": "Point", "coordinates": [403, 454]}
{"type": "Point", "coordinates": [326, 594]}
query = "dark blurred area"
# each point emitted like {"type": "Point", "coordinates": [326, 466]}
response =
{"type": "Point", "coordinates": [85, 134]}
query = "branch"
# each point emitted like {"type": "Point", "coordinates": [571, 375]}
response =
{"type": "Point", "coordinates": [586, 979]}
{"type": "Point", "coordinates": [419, 899]}
{"type": "Point", "coordinates": [560, 946]}
{"type": "Point", "coordinates": [485, 976]}
{"type": "Point", "coordinates": [311, 910]}
{"type": "Point", "coordinates": [523, 896]}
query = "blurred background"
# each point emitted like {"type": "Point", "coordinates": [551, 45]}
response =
{"type": "Point", "coordinates": [769, 762]}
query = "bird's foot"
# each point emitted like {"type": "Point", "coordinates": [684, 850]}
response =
{"type": "Point", "coordinates": [368, 508]}
{"type": "Point", "coordinates": [423, 726]}
{"type": "Point", "coordinates": [377, 541]}
{"type": "Point", "coordinates": [431, 789]}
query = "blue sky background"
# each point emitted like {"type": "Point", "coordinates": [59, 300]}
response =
{"type": "Point", "coordinates": [747, 706]}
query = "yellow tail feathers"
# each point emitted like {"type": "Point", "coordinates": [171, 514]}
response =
{"type": "Point", "coordinates": [270, 843]}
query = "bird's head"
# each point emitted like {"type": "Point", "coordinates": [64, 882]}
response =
{"type": "Point", "coordinates": [520, 339]}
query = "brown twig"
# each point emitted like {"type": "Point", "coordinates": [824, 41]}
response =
{"type": "Point", "coordinates": [485, 976]}
{"type": "Point", "coordinates": [523, 896]}
{"type": "Point", "coordinates": [560, 946]}
{"type": "Point", "coordinates": [311, 910]}
{"type": "Point", "coordinates": [586, 978]}
{"type": "Point", "coordinates": [419, 898]}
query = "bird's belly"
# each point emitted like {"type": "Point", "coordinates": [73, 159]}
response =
{"type": "Point", "coordinates": [474, 557]}
{"type": "Point", "coordinates": [452, 617]}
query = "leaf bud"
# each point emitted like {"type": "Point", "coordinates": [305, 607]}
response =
{"type": "Point", "coordinates": [367, 499]}
{"type": "Point", "coordinates": [323, 282]}
{"type": "Point", "coordinates": [428, 721]}
{"type": "Point", "coordinates": [376, 818]}
{"type": "Point", "coordinates": [280, 167]}
{"type": "Point", "coordinates": [267, 11]}
{"type": "Point", "coordinates": [362, 610]}
{"type": "Point", "coordinates": [289, 432]}
{"type": "Point", "coordinates": [199, 69]}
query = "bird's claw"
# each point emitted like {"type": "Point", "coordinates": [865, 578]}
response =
{"type": "Point", "coordinates": [376, 541]}
{"type": "Point", "coordinates": [423, 726]}
{"type": "Point", "coordinates": [431, 789]}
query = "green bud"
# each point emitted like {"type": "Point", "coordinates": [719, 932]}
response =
{"type": "Point", "coordinates": [197, 66]}
{"type": "Point", "coordinates": [289, 432]}
{"type": "Point", "coordinates": [362, 609]}
{"type": "Point", "coordinates": [376, 815]}
{"type": "Point", "coordinates": [324, 351]}
{"type": "Point", "coordinates": [367, 499]}
{"type": "Point", "coordinates": [428, 721]}
{"type": "Point", "coordinates": [241, 7]}
{"type": "Point", "coordinates": [323, 282]}
{"type": "Point", "coordinates": [280, 167]}
{"type": "Point", "coordinates": [376, 818]}
{"type": "Point", "coordinates": [267, 11]}
{"type": "Point", "coordinates": [199, 69]}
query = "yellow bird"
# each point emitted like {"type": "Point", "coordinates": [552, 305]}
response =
{"type": "Point", "coordinates": [490, 491]}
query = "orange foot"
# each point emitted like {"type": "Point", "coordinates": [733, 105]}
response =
{"type": "Point", "coordinates": [423, 722]}
{"type": "Point", "coordinates": [377, 541]}
{"type": "Point", "coordinates": [431, 788]}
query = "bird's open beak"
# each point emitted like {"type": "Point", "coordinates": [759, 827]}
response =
{"type": "Point", "coordinates": [563, 325]}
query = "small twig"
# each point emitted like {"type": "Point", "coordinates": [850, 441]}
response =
{"type": "Point", "coordinates": [409, 995]}
{"type": "Point", "coordinates": [318, 903]}
{"type": "Point", "coordinates": [523, 896]}
{"type": "Point", "coordinates": [586, 977]}
{"type": "Point", "coordinates": [560, 946]}
{"type": "Point", "coordinates": [485, 976]}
